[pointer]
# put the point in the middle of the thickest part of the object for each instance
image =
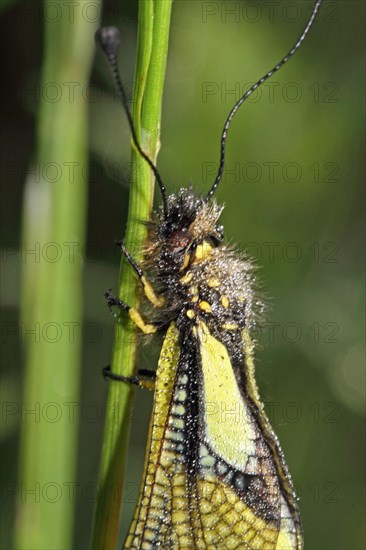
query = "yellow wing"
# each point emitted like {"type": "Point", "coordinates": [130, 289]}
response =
{"type": "Point", "coordinates": [212, 479]}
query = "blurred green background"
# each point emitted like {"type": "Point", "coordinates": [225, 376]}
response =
{"type": "Point", "coordinates": [294, 199]}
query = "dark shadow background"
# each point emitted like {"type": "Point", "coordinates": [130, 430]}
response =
{"type": "Point", "coordinates": [294, 200]}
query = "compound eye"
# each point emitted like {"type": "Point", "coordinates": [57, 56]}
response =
{"type": "Point", "coordinates": [178, 241]}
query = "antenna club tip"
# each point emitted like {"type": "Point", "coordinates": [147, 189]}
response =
{"type": "Point", "coordinates": [109, 40]}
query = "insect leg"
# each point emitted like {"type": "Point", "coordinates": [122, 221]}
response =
{"type": "Point", "coordinates": [157, 301]}
{"type": "Point", "coordinates": [145, 378]}
{"type": "Point", "coordinates": [135, 316]}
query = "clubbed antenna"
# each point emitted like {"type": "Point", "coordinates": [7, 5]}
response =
{"type": "Point", "coordinates": [251, 90]}
{"type": "Point", "coordinates": [109, 40]}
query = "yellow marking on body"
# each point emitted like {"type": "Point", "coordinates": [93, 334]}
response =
{"type": "Point", "coordinates": [195, 299]}
{"type": "Point", "coordinates": [187, 258]}
{"type": "Point", "coordinates": [205, 306]}
{"type": "Point", "coordinates": [213, 282]}
{"type": "Point", "coordinates": [187, 278]}
{"type": "Point", "coordinates": [202, 252]}
{"type": "Point", "coordinates": [225, 301]}
{"type": "Point", "coordinates": [229, 326]}
{"type": "Point", "coordinates": [190, 313]}
{"type": "Point", "coordinates": [157, 301]}
{"type": "Point", "coordinates": [229, 426]}
{"type": "Point", "coordinates": [135, 316]}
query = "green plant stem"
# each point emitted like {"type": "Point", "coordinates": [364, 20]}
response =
{"type": "Point", "coordinates": [54, 220]}
{"type": "Point", "coordinates": [153, 34]}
